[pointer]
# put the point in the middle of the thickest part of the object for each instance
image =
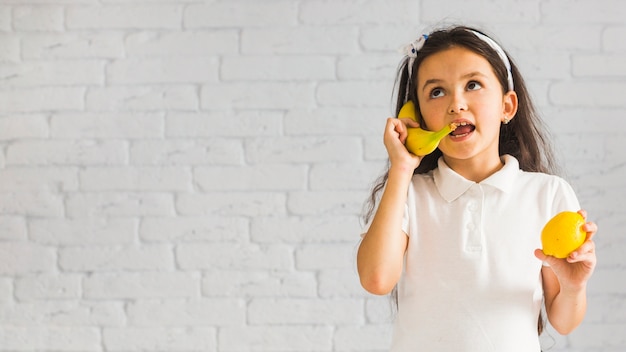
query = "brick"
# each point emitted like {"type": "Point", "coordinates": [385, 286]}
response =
{"type": "Point", "coordinates": [580, 11]}
{"type": "Point", "coordinates": [598, 66]}
{"type": "Point", "coordinates": [326, 256]}
{"type": "Point", "coordinates": [333, 40]}
{"type": "Point", "coordinates": [194, 228]}
{"type": "Point", "coordinates": [163, 70]}
{"type": "Point", "coordinates": [45, 287]}
{"type": "Point", "coordinates": [362, 338]}
{"type": "Point", "coordinates": [554, 38]}
{"type": "Point", "coordinates": [142, 98]}
{"type": "Point", "coordinates": [141, 285]}
{"type": "Point", "coordinates": [26, 258]}
{"type": "Point", "coordinates": [232, 203]}
{"type": "Point", "coordinates": [9, 47]}
{"type": "Point", "coordinates": [50, 338]}
{"type": "Point", "coordinates": [359, 12]}
{"type": "Point", "coordinates": [605, 281]}
{"type": "Point", "coordinates": [374, 149]}
{"type": "Point", "coordinates": [107, 125]}
{"type": "Point", "coordinates": [276, 338]}
{"type": "Point", "coordinates": [6, 291]}
{"type": "Point", "coordinates": [38, 204]}
{"type": "Point", "coordinates": [344, 176]}
{"type": "Point", "coordinates": [355, 94]}
{"type": "Point", "coordinates": [387, 39]}
{"type": "Point", "coordinates": [602, 309]}
{"type": "Point", "coordinates": [14, 127]}
{"type": "Point", "coordinates": [277, 68]}
{"type": "Point", "coordinates": [83, 231]}
{"type": "Point", "coordinates": [240, 14]}
{"type": "Point", "coordinates": [119, 204]}
{"type": "Point", "coordinates": [187, 43]}
{"type": "Point", "coordinates": [304, 311]}
{"type": "Point", "coordinates": [264, 177]}
{"type": "Point", "coordinates": [196, 312]}
{"type": "Point", "coordinates": [63, 312]}
{"type": "Point", "coordinates": [12, 227]}
{"type": "Point", "coordinates": [587, 94]}
{"type": "Point", "coordinates": [129, 258]}
{"type": "Point", "coordinates": [42, 99]}
{"type": "Point", "coordinates": [201, 256]}
{"type": "Point", "coordinates": [370, 67]}
{"type": "Point", "coordinates": [336, 121]}
{"type": "Point", "coordinates": [612, 39]}
{"type": "Point", "coordinates": [153, 16]}
{"type": "Point", "coordinates": [220, 124]}
{"type": "Point", "coordinates": [67, 152]}
{"type": "Point", "coordinates": [159, 339]}
{"type": "Point", "coordinates": [73, 45]}
{"type": "Point", "coordinates": [551, 65]}
{"type": "Point", "coordinates": [259, 283]}
{"type": "Point", "coordinates": [516, 11]}
{"type": "Point", "coordinates": [380, 309]}
{"type": "Point", "coordinates": [311, 229]}
{"type": "Point", "coordinates": [340, 283]}
{"type": "Point", "coordinates": [211, 151]}
{"type": "Point", "coordinates": [38, 18]}
{"type": "Point", "coordinates": [302, 149]}
{"type": "Point", "coordinates": [610, 337]}
{"type": "Point", "coordinates": [5, 18]}
{"type": "Point", "coordinates": [326, 202]}
{"type": "Point", "coordinates": [135, 179]}
{"type": "Point", "coordinates": [39, 179]}
{"type": "Point", "coordinates": [257, 95]}
{"type": "Point", "coordinates": [63, 73]}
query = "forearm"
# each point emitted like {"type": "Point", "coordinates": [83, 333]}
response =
{"type": "Point", "coordinates": [381, 253]}
{"type": "Point", "coordinates": [567, 310]}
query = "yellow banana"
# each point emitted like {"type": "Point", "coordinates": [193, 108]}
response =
{"type": "Point", "coordinates": [419, 141]}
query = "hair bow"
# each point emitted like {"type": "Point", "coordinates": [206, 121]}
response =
{"type": "Point", "coordinates": [411, 49]}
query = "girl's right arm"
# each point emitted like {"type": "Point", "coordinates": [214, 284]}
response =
{"type": "Point", "coordinates": [381, 254]}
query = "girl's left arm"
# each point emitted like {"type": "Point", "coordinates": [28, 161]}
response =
{"type": "Point", "coordinates": [565, 282]}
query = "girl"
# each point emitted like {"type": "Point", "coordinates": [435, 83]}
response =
{"type": "Point", "coordinates": [456, 232]}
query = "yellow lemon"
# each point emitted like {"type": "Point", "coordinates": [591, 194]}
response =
{"type": "Point", "coordinates": [563, 234]}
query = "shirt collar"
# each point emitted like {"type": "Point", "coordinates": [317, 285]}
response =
{"type": "Point", "coordinates": [451, 185]}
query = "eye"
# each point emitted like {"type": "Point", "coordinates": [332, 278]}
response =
{"type": "Point", "coordinates": [473, 85]}
{"type": "Point", "coordinates": [436, 93]}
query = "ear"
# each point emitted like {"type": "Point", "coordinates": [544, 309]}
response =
{"type": "Point", "coordinates": [509, 105]}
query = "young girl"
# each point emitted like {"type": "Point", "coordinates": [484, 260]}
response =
{"type": "Point", "coordinates": [457, 232]}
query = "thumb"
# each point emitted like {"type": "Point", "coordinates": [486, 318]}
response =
{"type": "Point", "coordinates": [540, 255]}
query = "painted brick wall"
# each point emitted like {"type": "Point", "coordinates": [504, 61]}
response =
{"type": "Point", "coordinates": [187, 175]}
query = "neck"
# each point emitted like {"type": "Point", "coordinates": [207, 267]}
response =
{"type": "Point", "coordinates": [473, 169]}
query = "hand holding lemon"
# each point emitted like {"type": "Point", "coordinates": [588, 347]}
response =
{"type": "Point", "coordinates": [563, 234]}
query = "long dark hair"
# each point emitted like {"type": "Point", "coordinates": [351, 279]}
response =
{"type": "Point", "coordinates": [525, 137]}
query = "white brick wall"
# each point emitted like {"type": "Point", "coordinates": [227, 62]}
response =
{"type": "Point", "coordinates": [187, 175]}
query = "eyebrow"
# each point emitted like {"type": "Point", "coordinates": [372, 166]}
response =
{"type": "Point", "coordinates": [465, 76]}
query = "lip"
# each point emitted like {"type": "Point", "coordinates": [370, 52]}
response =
{"type": "Point", "coordinates": [465, 136]}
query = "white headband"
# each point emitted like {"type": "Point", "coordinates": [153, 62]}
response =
{"type": "Point", "coordinates": [501, 53]}
{"type": "Point", "coordinates": [412, 48]}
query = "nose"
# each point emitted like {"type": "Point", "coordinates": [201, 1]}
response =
{"type": "Point", "coordinates": [457, 104]}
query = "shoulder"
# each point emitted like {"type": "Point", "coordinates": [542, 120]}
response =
{"type": "Point", "coordinates": [556, 192]}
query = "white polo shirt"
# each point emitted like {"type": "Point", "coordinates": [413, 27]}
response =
{"type": "Point", "coordinates": [471, 281]}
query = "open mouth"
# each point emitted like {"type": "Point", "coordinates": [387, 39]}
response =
{"type": "Point", "coordinates": [462, 129]}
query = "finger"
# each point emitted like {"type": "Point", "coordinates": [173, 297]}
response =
{"type": "Point", "coordinates": [591, 228]}
{"type": "Point", "coordinates": [583, 253]}
{"type": "Point", "coordinates": [540, 255]}
{"type": "Point", "coordinates": [583, 213]}
{"type": "Point", "coordinates": [410, 122]}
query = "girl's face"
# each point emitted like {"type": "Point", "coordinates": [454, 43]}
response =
{"type": "Point", "coordinates": [458, 85]}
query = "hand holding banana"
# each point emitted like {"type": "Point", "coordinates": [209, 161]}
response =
{"type": "Point", "coordinates": [419, 141]}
